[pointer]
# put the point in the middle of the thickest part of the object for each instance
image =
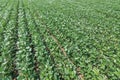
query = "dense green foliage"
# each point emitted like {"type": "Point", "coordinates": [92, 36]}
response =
{"type": "Point", "coordinates": [59, 40]}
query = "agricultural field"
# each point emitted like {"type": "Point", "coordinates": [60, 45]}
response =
{"type": "Point", "coordinates": [59, 39]}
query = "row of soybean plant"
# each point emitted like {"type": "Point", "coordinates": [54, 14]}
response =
{"type": "Point", "coordinates": [8, 44]}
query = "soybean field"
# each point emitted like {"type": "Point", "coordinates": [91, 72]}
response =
{"type": "Point", "coordinates": [59, 39]}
